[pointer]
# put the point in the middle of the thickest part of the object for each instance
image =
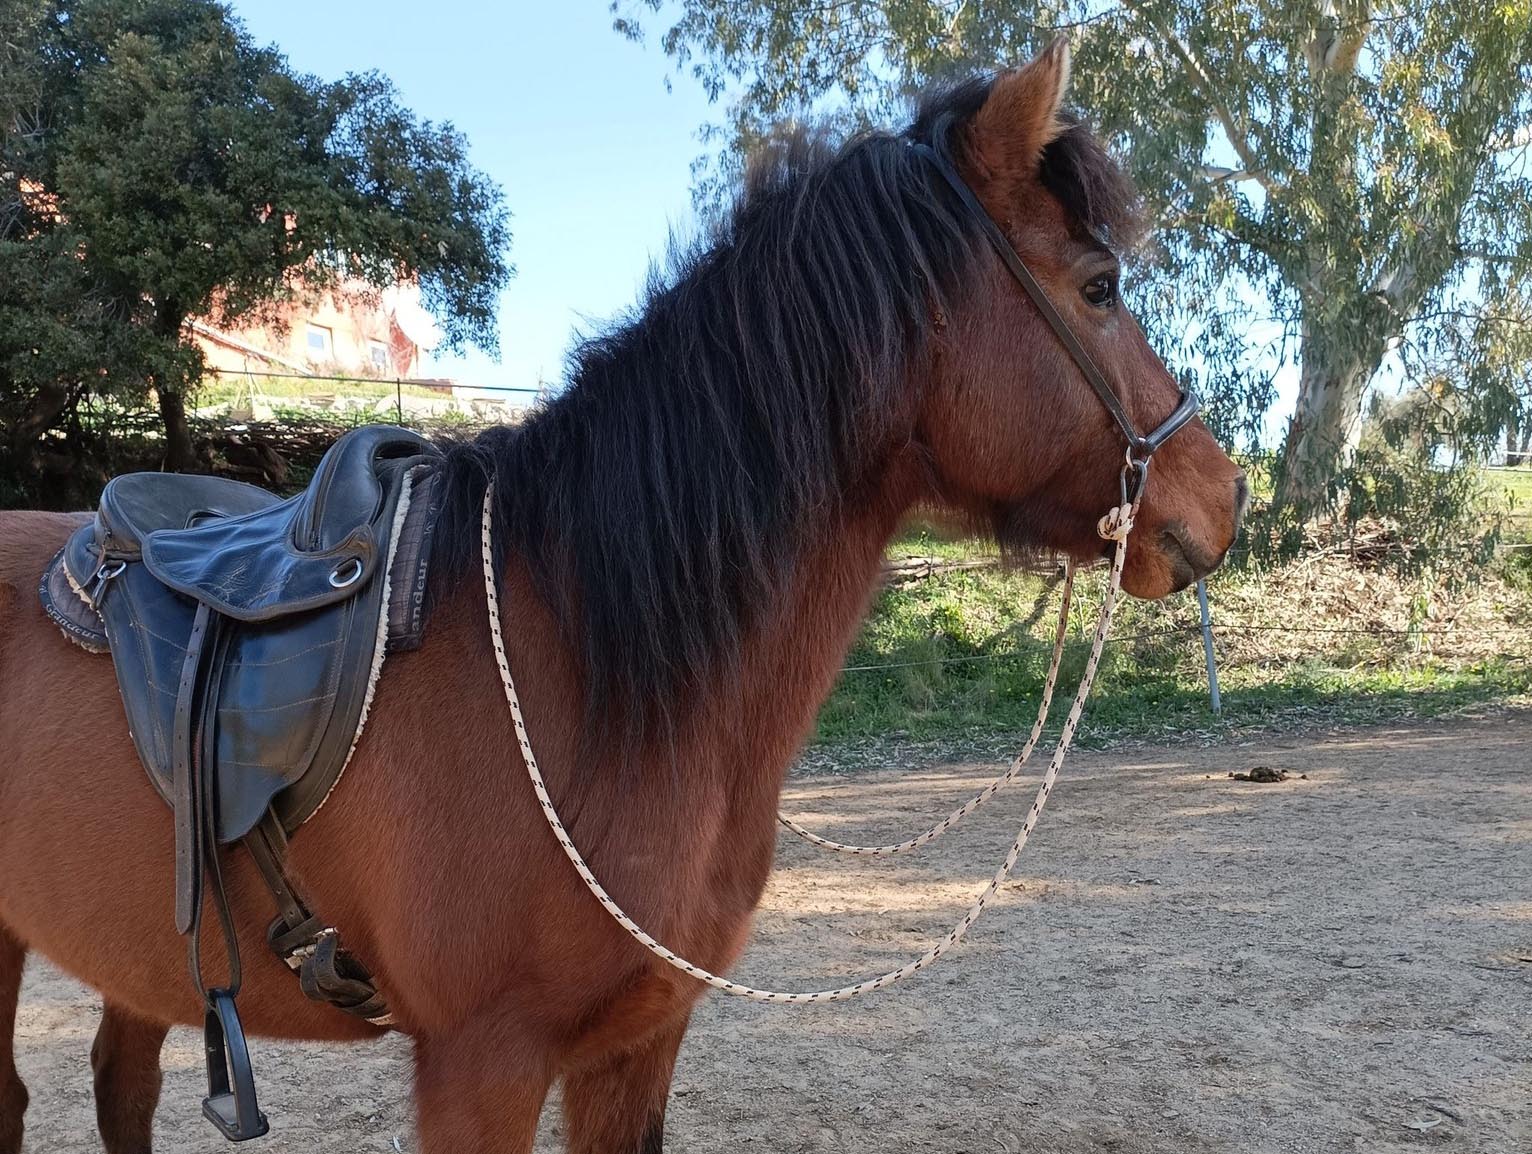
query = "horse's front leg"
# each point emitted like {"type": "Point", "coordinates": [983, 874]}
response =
{"type": "Point", "coordinates": [479, 1091]}
{"type": "Point", "coordinates": [126, 1061]}
{"type": "Point", "coordinates": [617, 1106]}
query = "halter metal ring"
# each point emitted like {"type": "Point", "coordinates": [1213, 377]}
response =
{"type": "Point", "coordinates": [346, 573]}
{"type": "Point", "coordinates": [1133, 479]}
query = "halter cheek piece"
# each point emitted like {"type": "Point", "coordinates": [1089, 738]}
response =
{"type": "Point", "coordinates": [1141, 447]}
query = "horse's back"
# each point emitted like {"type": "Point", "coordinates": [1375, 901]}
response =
{"type": "Point", "coordinates": [28, 539]}
{"type": "Point", "coordinates": [49, 687]}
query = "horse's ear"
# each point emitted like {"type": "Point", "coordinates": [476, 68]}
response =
{"type": "Point", "coordinates": [1020, 118]}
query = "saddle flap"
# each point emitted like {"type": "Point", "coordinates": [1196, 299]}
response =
{"type": "Point", "coordinates": [250, 568]}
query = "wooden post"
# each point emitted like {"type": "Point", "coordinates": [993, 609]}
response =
{"type": "Point", "coordinates": [1207, 646]}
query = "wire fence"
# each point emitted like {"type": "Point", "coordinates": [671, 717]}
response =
{"type": "Point", "coordinates": [398, 383]}
{"type": "Point", "coordinates": [340, 378]}
{"type": "Point", "coordinates": [1209, 630]}
{"type": "Point", "coordinates": [1445, 643]}
{"type": "Point", "coordinates": [1218, 629]}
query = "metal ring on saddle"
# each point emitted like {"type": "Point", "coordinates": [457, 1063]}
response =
{"type": "Point", "coordinates": [346, 573]}
{"type": "Point", "coordinates": [106, 572]}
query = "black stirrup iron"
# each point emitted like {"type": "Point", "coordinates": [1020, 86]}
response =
{"type": "Point", "coordinates": [1141, 446]}
{"type": "Point", "coordinates": [230, 1104]}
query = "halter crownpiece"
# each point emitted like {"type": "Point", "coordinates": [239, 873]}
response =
{"type": "Point", "coordinates": [1141, 446]}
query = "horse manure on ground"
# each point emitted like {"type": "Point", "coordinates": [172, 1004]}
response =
{"type": "Point", "coordinates": [1267, 775]}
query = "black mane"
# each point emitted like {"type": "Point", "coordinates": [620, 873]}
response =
{"type": "Point", "coordinates": [661, 500]}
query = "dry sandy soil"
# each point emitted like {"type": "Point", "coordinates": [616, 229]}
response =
{"type": "Point", "coordinates": [1341, 962]}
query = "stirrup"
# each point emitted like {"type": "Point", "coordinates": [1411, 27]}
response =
{"type": "Point", "coordinates": [232, 1109]}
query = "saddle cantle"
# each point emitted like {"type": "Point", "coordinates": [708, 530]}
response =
{"type": "Point", "coordinates": [248, 633]}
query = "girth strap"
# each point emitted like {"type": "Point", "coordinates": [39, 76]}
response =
{"type": "Point", "coordinates": [267, 844]}
{"type": "Point", "coordinates": [327, 972]}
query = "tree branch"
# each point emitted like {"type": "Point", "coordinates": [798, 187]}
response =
{"type": "Point", "coordinates": [1520, 138]}
{"type": "Point", "coordinates": [1245, 233]}
{"type": "Point", "coordinates": [1489, 256]}
{"type": "Point", "coordinates": [1335, 47]}
{"type": "Point", "coordinates": [1217, 174]}
{"type": "Point", "coordinates": [1209, 91]}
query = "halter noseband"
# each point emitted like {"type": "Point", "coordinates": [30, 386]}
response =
{"type": "Point", "coordinates": [1141, 447]}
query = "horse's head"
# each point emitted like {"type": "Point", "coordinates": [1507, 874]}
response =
{"type": "Point", "coordinates": [1014, 428]}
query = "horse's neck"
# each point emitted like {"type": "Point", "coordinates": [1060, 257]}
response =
{"type": "Point", "coordinates": [659, 828]}
{"type": "Point", "coordinates": [790, 661]}
{"type": "Point", "coordinates": [723, 765]}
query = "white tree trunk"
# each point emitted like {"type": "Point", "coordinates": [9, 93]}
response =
{"type": "Point", "coordinates": [1325, 430]}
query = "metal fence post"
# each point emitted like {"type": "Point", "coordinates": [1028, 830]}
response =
{"type": "Point", "coordinates": [399, 398]}
{"type": "Point", "coordinates": [1207, 646]}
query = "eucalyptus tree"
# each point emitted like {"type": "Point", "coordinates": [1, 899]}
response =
{"type": "Point", "coordinates": [1340, 185]}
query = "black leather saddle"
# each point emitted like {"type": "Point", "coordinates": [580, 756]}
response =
{"type": "Point", "coordinates": [248, 634]}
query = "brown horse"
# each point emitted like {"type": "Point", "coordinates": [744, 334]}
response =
{"type": "Point", "coordinates": [691, 535]}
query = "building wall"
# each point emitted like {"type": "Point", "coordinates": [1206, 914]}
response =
{"type": "Point", "coordinates": [349, 334]}
{"type": "Point", "coordinates": [353, 332]}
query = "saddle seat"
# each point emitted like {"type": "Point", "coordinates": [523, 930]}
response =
{"type": "Point", "coordinates": [137, 504]}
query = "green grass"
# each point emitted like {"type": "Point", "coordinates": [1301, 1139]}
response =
{"type": "Point", "coordinates": [1516, 484]}
{"type": "Point", "coordinates": [961, 657]}
{"type": "Point", "coordinates": [924, 537]}
{"type": "Point", "coordinates": [223, 390]}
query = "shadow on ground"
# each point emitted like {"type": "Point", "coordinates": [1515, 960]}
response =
{"type": "Point", "coordinates": [1184, 963]}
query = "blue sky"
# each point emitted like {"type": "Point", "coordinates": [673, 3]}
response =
{"type": "Point", "coordinates": [572, 121]}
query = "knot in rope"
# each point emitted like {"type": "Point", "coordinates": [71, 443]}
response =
{"type": "Point", "coordinates": [1117, 524]}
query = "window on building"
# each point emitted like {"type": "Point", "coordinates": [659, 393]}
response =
{"type": "Point", "coordinates": [321, 343]}
{"type": "Point", "coordinates": [379, 353]}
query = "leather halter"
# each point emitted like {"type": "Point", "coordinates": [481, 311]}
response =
{"type": "Point", "coordinates": [1141, 446]}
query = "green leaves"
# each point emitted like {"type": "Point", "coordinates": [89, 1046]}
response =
{"type": "Point", "coordinates": [1304, 161]}
{"type": "Point", "coordinates": [157, 164]}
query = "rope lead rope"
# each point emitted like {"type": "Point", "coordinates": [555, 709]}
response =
{"type": "Point", "coordinates": [1115, 526]}
{"type": "Point", "coordinates": [989, 790]}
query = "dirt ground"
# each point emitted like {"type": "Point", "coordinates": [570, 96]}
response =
{"type": "Point", "coordinates": [1187, 963]}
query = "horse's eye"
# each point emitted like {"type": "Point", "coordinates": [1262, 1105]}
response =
{"type": "Point", "coordinates": [1101, 291]}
